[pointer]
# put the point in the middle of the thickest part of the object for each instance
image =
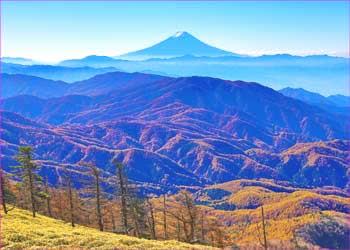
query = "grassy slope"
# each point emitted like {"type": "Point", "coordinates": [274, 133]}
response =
{"type": "Point", "coordinates": [19, 230]}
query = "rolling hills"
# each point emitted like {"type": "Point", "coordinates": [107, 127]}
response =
{"type": "Point", "coordinates": [295, 217]}
{"type": "Point", "coordinates": [204, 129]}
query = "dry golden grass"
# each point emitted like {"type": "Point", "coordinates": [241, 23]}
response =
{"type": "Point", "coordinates": [20, 230]}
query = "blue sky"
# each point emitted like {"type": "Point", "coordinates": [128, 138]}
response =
{"type": "Point", "coordinates": [52, 31]}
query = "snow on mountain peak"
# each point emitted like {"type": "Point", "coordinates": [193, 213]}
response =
{"type": "Point", "coordinates": [179, 33]}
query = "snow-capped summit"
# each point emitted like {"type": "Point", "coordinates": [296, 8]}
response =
{"type": "Point", "coordinates": [180, 44]}
{"type": "Point", "coordinates": [179, 33]}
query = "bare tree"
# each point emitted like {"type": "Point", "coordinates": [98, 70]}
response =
{"type": "Point", "coordinates": [48, 196]}
{"type": "Point", "coordinates": [138, 215]}
{"type": "Point", "coordinates": [264, 229]}
{"type": "Point", "coordinates": [264, 243]}
{"type": "Point", "coordinates": [164, 218]}
{"type": "Point", "coordinates": [151, 220]}
{"type": "Point", "coordinates": [185, 212]}
{"type": "Point", "coordinates": [123, 192]}
{"type": "Point", "coordinates": [96, 191]}
{"type": "Point", "coordinates": [202, 226]}
{"type": "Point", "coordinates": [187, 199]}
{"type": "Point", "coordinates": [69, 190]}
{"type": "Point", "coordinates": [178, 229]}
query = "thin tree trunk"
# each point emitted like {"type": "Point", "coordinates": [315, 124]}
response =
{"type": "Point", "coordinates": [71, 205]}
{"type": "Point", "coordinates": [113, 220]}
{"type": "Point", "coordinates": [3, 199]}
{"type": "Point", "coordinates": [187, 236]}
{"type": "Point", "coordinates": [191, 214]}
{"type": "Point", "coordinates": [264, 229]}
{"type": "Point", "coordinates": [192, 230]}
{"type": "Point", "coordinates": [136, 224]}
{"type": "Point", "coordinates": [98, 202]}
{"type": "Point", "coordinates": [60, 205]}
{"type": "Point", "coordinates": [202, 226]}
{"type": "Point", "coordinates": [178, 230]}
{"type": "Point", "coordinates": [48, 199]}
{"type": "Point", "coordinates": [123, 198]}
{"type": "Point", "coordinates": [153, 222]}
{"type": "Point", "coordinates": [31, 189]}
{"type": "Point", "coordinates": [164, 219]}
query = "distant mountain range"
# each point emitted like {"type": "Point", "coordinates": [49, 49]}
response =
{"type": "Point", "coordinates": [172, 132]}
{"type": "Point", "coordinates": [51, 72]}
{"type": "Point", "coordinates": [316, 73]}
{"type": "Point", "coordinates": [332, 103]}
{"type": "Point", "coordinates": [184, 55]}
{"type": "Point", "coordinates": [17, 84]}
{"type": "Point", "coordinates": [13, 85]}
{"type": "Point", "coordinates": [180, 44]}
{"type": "Point", "coordinates": [18, 60]}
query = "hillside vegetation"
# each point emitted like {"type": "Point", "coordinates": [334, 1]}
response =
{"type": "Point", "coordinates": [20, 230]}
{"type": "Point", "coordinates": [295, 217]}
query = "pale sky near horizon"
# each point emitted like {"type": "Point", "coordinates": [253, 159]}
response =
{"type": "Point", "coordinates": [53, 31]}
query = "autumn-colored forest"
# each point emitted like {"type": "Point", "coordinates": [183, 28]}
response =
{"type": "Point", "coordinates": [235, 214]}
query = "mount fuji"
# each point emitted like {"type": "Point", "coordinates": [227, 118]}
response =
{"type": "Point", "coordinates": [180, 44]}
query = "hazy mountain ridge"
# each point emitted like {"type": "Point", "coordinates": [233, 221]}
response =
{"type": "Point", "coordinates": [323, 74]}
{"type": "Point", "coordinates": [18, 84]}
{"type": "Point", "coordinates": [14, 85]}
{"type": "Point", "coordinates": [54, 72]}
{"type": "Point", "coordinates": [19, 60]}
{"type": "Point", "coordinates": [316, 73]}
{"type": "Point", "coordinates": [333, 103]}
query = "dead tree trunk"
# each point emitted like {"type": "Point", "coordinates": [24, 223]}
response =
{"type": "Point", "coordinates": [152, 220]}
{"type": "Point", "coordinates": [202, 227]}
{"type": "Point", "coordinates": [123, 194]}
{"type": "Point", "coordinates": [98, 200]}
{"type": "Point", "coordinates": [2, 186]}
{"type": "Point", "coordinates": [136, 223]}
{"type": "Point", "coordinates": [263, 225]}
{"type": "Point", "coordinates": [71, 204]}
{"type": "Point", "coordinates": [48, 198]}
{"type": "Point", "coordinates": [187, 234]}
{"type": "Point", "coordinates": [191, 210]}
{"type": "Point", "coordinates": [164, 219]}
{"type": "Point", "coordinates": [96, 191]}
{"type": "Point", "coordinates": [178, 229]}
{"type": "Point", "coordinates": [112, 220]}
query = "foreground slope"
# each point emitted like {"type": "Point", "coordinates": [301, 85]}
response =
{"type": "Point", "coordinates": [295, 216]}
{"type": "Point", "coordinates": [19, 230]}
